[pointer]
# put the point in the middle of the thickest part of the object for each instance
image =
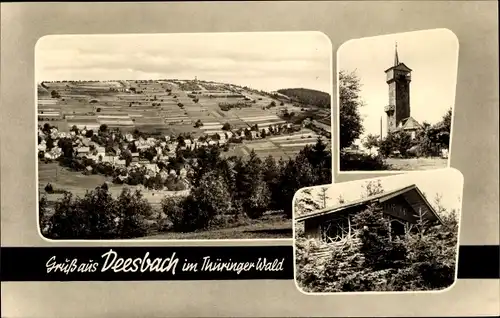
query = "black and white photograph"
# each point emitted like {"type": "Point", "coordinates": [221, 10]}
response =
{"type": "Point", "coordinates": [180, 136]}
{"type": "Point", "coordinates": [396, 101]}
{"type": "Point", "coordinates": [388, 234]}
{"type": "Point", "coordinates": [232, 158]}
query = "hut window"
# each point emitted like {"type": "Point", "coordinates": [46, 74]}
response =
{"type": "Point", "coordinates": [335, 230]}
{"type": "Point", "coordinates": [397, 228]}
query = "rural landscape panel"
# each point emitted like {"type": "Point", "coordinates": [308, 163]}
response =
{"type": "Point", "coordinates": [152, 142]}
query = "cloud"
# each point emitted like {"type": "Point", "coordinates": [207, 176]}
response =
{"type": "Point", "coordinates": [251, 55]}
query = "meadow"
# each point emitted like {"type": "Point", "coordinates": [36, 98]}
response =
{"type": "Point", "coordinates": [165, 107]}
{"type": "Point", "coordinates": [416, 163]}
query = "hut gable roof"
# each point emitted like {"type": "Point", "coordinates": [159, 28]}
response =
{"type": "Point", "coordinates": [411, 194]}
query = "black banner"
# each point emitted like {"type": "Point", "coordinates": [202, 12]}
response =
{"type": "Point", "coordinates": [185, 263]}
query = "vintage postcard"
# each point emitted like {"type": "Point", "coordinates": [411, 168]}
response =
{"type": "Point", "coordinates": [249, 159]}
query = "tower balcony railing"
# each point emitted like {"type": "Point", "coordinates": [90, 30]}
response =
{"type": "Point", "coordinates": [389, 108]}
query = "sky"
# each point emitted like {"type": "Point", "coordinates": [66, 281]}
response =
{"type": "Point", "coordinates": [264, 60]}
{"type": "Point", "coordinates": [431, 183]}
{"type": "Point", "coordinates": [431, 54]}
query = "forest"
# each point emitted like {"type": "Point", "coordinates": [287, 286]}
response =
{"type": "Point", "coordinates": [307, 96]}
{"type": "Point", "coordinates": [224, 190]}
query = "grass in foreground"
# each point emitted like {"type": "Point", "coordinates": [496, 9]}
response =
{"type": "Point", "coordinates": [416, 163]}
{"type": "Point", "coordinates": [269, 227]}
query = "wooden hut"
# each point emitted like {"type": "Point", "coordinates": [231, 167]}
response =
{"type": "Point", "coordinates": [403, 206]}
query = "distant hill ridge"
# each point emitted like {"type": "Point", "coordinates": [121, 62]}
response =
{"type": "Point", "coordinates": [307, 96]}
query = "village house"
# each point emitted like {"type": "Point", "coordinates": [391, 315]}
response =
{"type": "Point", "coordinates": [54, 153]}
{"type": "Point", "coordinates": [122, 178]}
{"type": "Point", "coordinates": [403, 206]}
{"type": "Point", "coordinates": [88, 170]}
{"type": "Point", "coordinates": [109, 159]}
{"type": "Point", "coordinates": [100, 150]}
{"type": "Point", "coordinates": [163, 175]}
{"type": "Point", "coordinates": [151, 141]}
{"type": "Point", "coordinates": [119, 163]}
{"type": "Point", "coordinates": [42, 146]}
{"type": "Point", "coordinates": [82, 151]}
{"type": "Point", "coordinates": [162, 158]}
{"type": "Point", "coordinates": [129, 137]}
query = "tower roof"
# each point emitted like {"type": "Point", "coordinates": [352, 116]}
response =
{"type": "Point", "coordinates": [397, 64]}
{"type": "Point", "coordinates": [396, 57]}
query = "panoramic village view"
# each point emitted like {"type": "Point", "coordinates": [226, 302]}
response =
{"type": "Point", "coordinates": [400, 120]}
{"type": "Point", "coordinates": [169, 158]}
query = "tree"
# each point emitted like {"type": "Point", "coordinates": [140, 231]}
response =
{"type": "Point", "coordinates": [400, 141]}
{"type": "Point", "coordinates": [127, 156]}
{"type": "Point", "coordinates": [46, 128]}
{"type": "Point", "coordinates": [49, 143]}
{"type": "Point", "coordinates": [132, 212]}
{"type": "Point", "coordinates": [197, 211]}
{"type": "Point", "coordinates": [150, 153]}
{"type": "Point", "coordinates": [49, 188]}
{"type": "Point", "coordinates": [42, 214]}
{"type": "Point", "coordinates": [66, 145]}
{"type": "Point", "coordinates": [306, 203]}
{"type": "Point", "coordinates": [55, 94]}
{"type": "Point", "coordinates": [198, 123]}
{"type": "Point", "coordinates": [349, 103]}
{"type": "Point", "coordinates": [89, 133]}
{"type": "Point", "coordinates": [372, 188]}
{"type": "Point", "coordinates": [226, 126]}
{"type": "Point", "coordinates": [90, 217]}
{"type": "Point", "coordinates": [258, 201]}
{"type": "Point", "coordinates": [103, 128]}
{"type": "Point", "coordinates": [323, 196]}
{"type": "Point", "coordinates": [371, 141]}
{"type": "Point", "coordinates": [444, 130]}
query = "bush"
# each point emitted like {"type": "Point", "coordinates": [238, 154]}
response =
{"type": "Point", "coordinates": [198, 123]}
{"type": "Point", "coordinates": [361, 162]}
{"type": "Point", "coordinates": [98, 216]}
{"type": "Point", "coordinates": [49, 188]}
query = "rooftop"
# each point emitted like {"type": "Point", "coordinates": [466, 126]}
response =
{"type": "Point", "coordinates": [419, 200]}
